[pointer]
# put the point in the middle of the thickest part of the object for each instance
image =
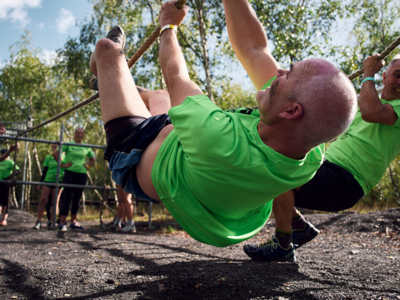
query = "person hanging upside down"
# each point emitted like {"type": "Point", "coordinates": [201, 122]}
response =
{"type": "Point", "coordinates": [354, 164]}
{"type": "Point", "coordinates": [217, 172]}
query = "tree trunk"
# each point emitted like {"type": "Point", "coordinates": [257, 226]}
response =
{"type": "Point", "coordinates": [199, 8]}
{"type": "Point", "coordinates": [35, 153]}
{"type": "Point", "coordinates": [28, 178]}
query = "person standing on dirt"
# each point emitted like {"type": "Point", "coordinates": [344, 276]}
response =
{"type": "Point", "coordinates": [49, 175]}
{"type": "Point", "coordinates": [124, 208]}
{"type": "Point", "coordinates": [12, 147]}
{"type": "Point", "coordinates": [354, 164]}
{"type": "Point", "coordinates": [6, 173]}
{"type": "Point", "coordinates": [204, 165]}
{"type": "Point", "coordinates": [75, 173]}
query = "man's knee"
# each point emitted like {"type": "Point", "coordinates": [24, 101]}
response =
{"type": "Point", "coordinates": [104, 46]}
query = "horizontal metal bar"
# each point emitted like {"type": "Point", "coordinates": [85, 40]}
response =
{"type": "Point", "coordinates": [90, 187]}
{"type": "Point", "coordinates": [50, 142]}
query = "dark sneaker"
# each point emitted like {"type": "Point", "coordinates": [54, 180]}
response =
{"type": "Point", "coordinates": [49, 224]}
{"type": "Point", "coordinates": [37, 225]}
{"type": "Point", "coordinates": [271, 250]}
{"type": "Point", "coordinates": [63, 227]}
{"type": "Point", "coordinates": [301, 237]}
{"type": "Point", "coordinates": [75, 225]}
{"type": "Point", "coordinates": [117, 34]}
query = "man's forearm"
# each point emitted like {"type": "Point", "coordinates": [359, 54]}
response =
{"type": "Point", "coordinates": [174, 69]}
{"type": "Point", "coordinates": [249, 42]}
{"type": "Point", "coordinates": [244, 29]}
{"type": "Point", "coordinates": [171, 58]}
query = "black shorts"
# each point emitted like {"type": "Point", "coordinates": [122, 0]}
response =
{"type": "Point", "coordinates": [49, 186]}
{"type": "Point", "coordinates": [127, 138]}
{"type": "Point", "coordinates": [332, 189]}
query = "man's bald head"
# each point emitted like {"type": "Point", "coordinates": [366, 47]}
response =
{"type": "Point", "coordinates": [328, 99]}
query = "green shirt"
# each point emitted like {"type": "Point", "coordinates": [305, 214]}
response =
{"type": "Point", "coordinates": [218, 178]}
{"type": "Point", "coordinates": [51, 163]}
{"type": "Point", "coordinates": [6, 168]}
{"type": "Point", "coordinates": [76, 155]}
{"type": "Point", "coordinates": [366, 149]}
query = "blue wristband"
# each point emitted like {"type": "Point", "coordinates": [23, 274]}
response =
{"type": "Point", "coordinates": [367, 78]}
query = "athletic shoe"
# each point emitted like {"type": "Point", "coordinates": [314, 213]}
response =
{"type": "Point", "coordinates": [271, 250]}
{"type": "Point", "coordinates": [37, 225]}
{"type": "Point", "coordinates": [75, 225]}
{"type": "Point", "coordinates": [63, 227]}
{"type": "Point", "coordinates": [128, 229]}
{"type": "Point", "coordinates": [93, 83]}
{"type": "Point", "coordinates": [49, 225]}
{"type": "Point", "coordinates": [115, 227]}
{"type": "Point", "coordinates": [117, 34]}
{"type": "Point", "coordinates": [301, 237]}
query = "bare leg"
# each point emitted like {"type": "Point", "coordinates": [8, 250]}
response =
{"type": "Point", "coordinates": [158, 102]}
{"type": "Point", "coordinates": [284, 210]}
{"type": "Point", "coordinates": [43, 200]}
{"type": "Point", "coordinates": [119, 96]}
{"type": "Point", "coordinates": [52, 202]}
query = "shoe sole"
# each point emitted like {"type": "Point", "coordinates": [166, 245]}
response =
{"type": "Point", "coordinates": [282, 259]}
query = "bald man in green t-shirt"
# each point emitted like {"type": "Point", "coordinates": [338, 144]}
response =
{"type": "Point", "coordinates": [354, 164]}
{"type": "Point", "coordinates": [217, 171]}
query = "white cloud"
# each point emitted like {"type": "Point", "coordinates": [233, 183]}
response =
{"type": "Point", "coordinates": [65, 20]}
{"type": "Point", "coordinates": [16, 10]}
{"type": "Point", "coordinates": [48, 56]}
{"type": "Point", "coordinates": [41, 25]}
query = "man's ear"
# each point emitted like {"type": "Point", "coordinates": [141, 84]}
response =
{"type": "Point", "coordinates": [384, 78]}
{"type": "Point", "coordinates": [295, 111]}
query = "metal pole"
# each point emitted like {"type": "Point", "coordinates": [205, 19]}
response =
{"type": "Point", "coordinates": [54, 208]}
{"type": "Point", "coordinates": [24, 177]}
{"type": "Point", "coordinates": [150, 209]}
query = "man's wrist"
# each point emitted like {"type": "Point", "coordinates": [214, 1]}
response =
{"type": "Point", "coordinates": [168, 26]}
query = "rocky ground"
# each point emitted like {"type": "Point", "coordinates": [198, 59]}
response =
{"type": "Point", "coordinates": [356, 256]}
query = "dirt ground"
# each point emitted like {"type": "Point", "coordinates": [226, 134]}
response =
{"type": "Point", "coordinates": [356, 256]}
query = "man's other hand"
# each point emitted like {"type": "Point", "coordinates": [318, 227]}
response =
{"type": "Point", "coordinates": [171, 15]}
{"type": "Point", "coordinates": [372, 65]}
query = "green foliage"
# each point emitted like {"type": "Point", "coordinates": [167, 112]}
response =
{"type": "Point", "coordinates": [376, 27]}
{"type": "Point", "coordinates": [299, 29]}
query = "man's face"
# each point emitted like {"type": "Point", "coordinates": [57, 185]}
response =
{"type": "Point", "coordinates": [79, 135]}
{"type": "Point", "coordinates": [54, 147]}
{"type": "Point", "coordinates": [272, 100]}
{"type": "Point", "coordinates": [2, 130]}
{"type": "Point", "coordinates": [391, 81]}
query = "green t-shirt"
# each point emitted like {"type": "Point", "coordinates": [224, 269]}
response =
{"type": "Point", "coordinates": [366, 149]}
{"type": "Point", "coordinates": [6, 168]}
{"type": "Point", "coordinates": [218, 178]}
{"type": "Point", "coordinates": [77, 156]}
{"type": "Point", "coordinates": [51, 163]}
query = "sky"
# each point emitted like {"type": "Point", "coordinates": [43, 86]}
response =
{"type": "Point", "coordinates": [50, 23]}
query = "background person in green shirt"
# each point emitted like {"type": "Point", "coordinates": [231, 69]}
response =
{"type": "Point", "coordinates": [49, 175]}
{"type": "Point", "coordinates": [12, 147]}
{"type": "Point", "coordinates": [6, 172]}
{"type": "Point", "coordinates": [75, 173]}
{"type": "Point", "coordinates": [354, 164]}
{"type": "Point", "coordinates": [217, 172]}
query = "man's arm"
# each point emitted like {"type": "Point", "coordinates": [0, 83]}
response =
{"type": "Point", "coordinates": [249, 42]}
{"type": "Point", "coordinates": [172, 62]}
{"type": "Point", "coordinates": [5, 155]}
{"type": "Point", "coordinates": [371, 108]}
